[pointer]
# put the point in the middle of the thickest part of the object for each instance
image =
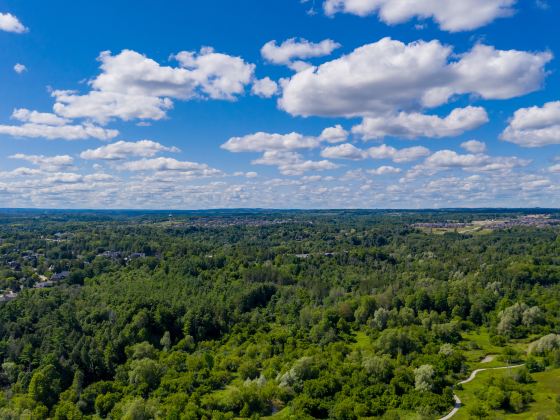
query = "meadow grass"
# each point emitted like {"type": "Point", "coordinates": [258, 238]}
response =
{"type": "Point", "coordinates": [546, 388]}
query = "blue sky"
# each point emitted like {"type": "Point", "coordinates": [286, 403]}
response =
{"type": "Point", "coordinates": [279, 104]}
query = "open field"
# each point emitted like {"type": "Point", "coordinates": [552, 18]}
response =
{"type": "Point", "coordinates": [546, 388]}
{"type": "Point", "coordinates": [478, 230]}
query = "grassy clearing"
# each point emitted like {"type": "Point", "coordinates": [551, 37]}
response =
{"type": "Point", "coordinates": [363, 342]}
{"type": "Point", "coordinates": [477, 346]}
{"type": "Point", "coordinates": [468, 393]}
{"type": "Point", "coordinates": [546, 388]}
{"type": "Point", "coordinates": [467, 230]}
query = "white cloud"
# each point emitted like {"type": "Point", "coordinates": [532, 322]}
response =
{"type": "Point", "coordinates": [19, 68]}
{"type": "Point", "coordinates": [260, 142]}
{"type": "Point", "coordinates": [554, 168]}
{"type": "Point", "coordinates": [103, 106]}
{"type": "Point", "coordinates": [132, 73]}
{"type": "Point", "coordinates": [133, 86]}
{"type": "Point", "coordinates": [32, 187]}
{"type": "Point", "coordinates": [299, 49]}
{"type": "Point", "coordinates": [389, 76]}
{"type": "Point", "coordinates": [20, 172]}
{"type": "Point", "coordinates": [63, 132]}
{"type": "Point", "coordinates": [474, 146]}
{"type": "Point", "coordinates": [349, 151]}
{"type": "Point", "coordinates": [10, 23]}
{"type": "Point", "coordinates": [279, 150]}
{"type": "Point", "coordinates": [534, 126]}
{"type": "Point", "coordinates": [451, 15]}
{"type": "Point", "coordinates": [47, 163]}
{"type": "Point", "coordinates": [499, 74]}
{"type": "Point", "coordinates": [503, 163]}
{"type": "Point", "coordinates": [343, 151]}
{"type": "Point", "coordinates": [35, 117]}
{"type": "Point", "coordinates": [265, 88]}
{"type": "Point", "coordinates": [449, 159]}
{"type": "Point", "coordinates": [384, 170]}
{"type": "Point", "coordinates": [407, 154]}
{"type": "Point", "coordinates": [335, 134]}
{"type": "Point", "coordinates": [534, 182]}
{"type": "Point", "coordinates": [63, 177]}
{"type": "Point", "coordinates": [124, 149]}
{"type": "Point", "coordinates": [291, 163]}
{"type": "Point", "coordinates": [99, 177]}
{"type": "Point", "coordinates": [219, 76]}
{"type": "Point", "coordinates": [162, 164]}
{"type": "Point", "coordinates": [414, 125]}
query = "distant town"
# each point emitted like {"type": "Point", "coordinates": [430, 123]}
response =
{"type": "Point", "coordinates": [533, 220]}
{"type": "Point", "coordinates": [35, 269]}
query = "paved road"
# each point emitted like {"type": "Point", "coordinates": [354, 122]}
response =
{"type": "Point", "coordinates": [470, 378]}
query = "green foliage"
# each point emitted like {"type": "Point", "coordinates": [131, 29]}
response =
{"type": "Point", "coordinates": [341, 315]}
{"type": "Point", "coordinates": [44, 386]}
{"type": "Point", "coordinates": [67, 410]}
{"type": "Point", "coordinates": [423, 378]}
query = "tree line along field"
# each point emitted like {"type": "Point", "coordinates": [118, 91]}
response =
{"type": "Point", "coordinates": [276, 314]}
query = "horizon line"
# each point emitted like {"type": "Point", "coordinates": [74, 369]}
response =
{"type": "Point", "coordinates": [265, 209]}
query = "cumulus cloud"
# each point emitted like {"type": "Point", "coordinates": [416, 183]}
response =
{"type": "Point", "coordinates": [384, 170]}
{"type": "Point", "coordinates": [343, 151]}
{"type": "Point", "coordinates": [292, 51]}
{"type": "Point", "coordinates": [133, 86]}
{"type": "Point", "coordinates": [169, 170]}
{"type": "Point", "coordinates": [414, 125]}
{"type": "Point", "coordinates": [99, 177]}
{"type": "Point", "coordinates": [351, 152]}
{"type": "Point", "coordinates": [335, 134]}
{"type": "Point", "coordinates": [47, 163]}
{"type": "Point", "coordinates": [218, 76]}
{"type": "Point", "coordinates": [26, 187]}
{"type": "Point", "coordinates": [166, 164]}
{"type": "Point", "coordinates": [292, 163]}
{"type": "Point", "coordinates": [125, 149]}
{"type": "Point", "coordinates": [265, 88]}
{"type": "Point", "coordinates": [103, 106]}
{"type": "Point", "coordinates": [10, 23]}
{"type": "Point", "coordinates": [279, 149]}
{"type": "Point", "coordinates": [534, 126]}
{"type": "Point", "coordinates": [35, 117]}
{"type": "Point", "coordinates": [63, 132]}
{"type": "Point", "coordinates": [554, 168]}
{"type": "Point", "coordinates": [450, 15]}
{"type": "Point", "coordinates": [20, 172]}
{"type": "Point", "coordinates": [499, 74]}
{"type": "Point", "coordinates": [64, 177]}
{"type": "Point", "coordinates": [449, 159]}
{"type": "Point", "coordinates": [474, 146]}
{"type": "Point", "coordinates": [260, 142]}
{"type": "Point", "coordinates": [407, 154]}
{"type": "Point", "coordinates": [389, 76]}
{"type": "Point", "coordinates": [51, 126]}
{"type": "Point", "coordinates": [20, 68]}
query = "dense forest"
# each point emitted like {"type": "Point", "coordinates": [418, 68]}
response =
{"type": "Point", "coordinates": [282, 315]}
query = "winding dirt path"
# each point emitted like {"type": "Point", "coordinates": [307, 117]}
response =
{"type": "Point", "coordinates": [475, 372]}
